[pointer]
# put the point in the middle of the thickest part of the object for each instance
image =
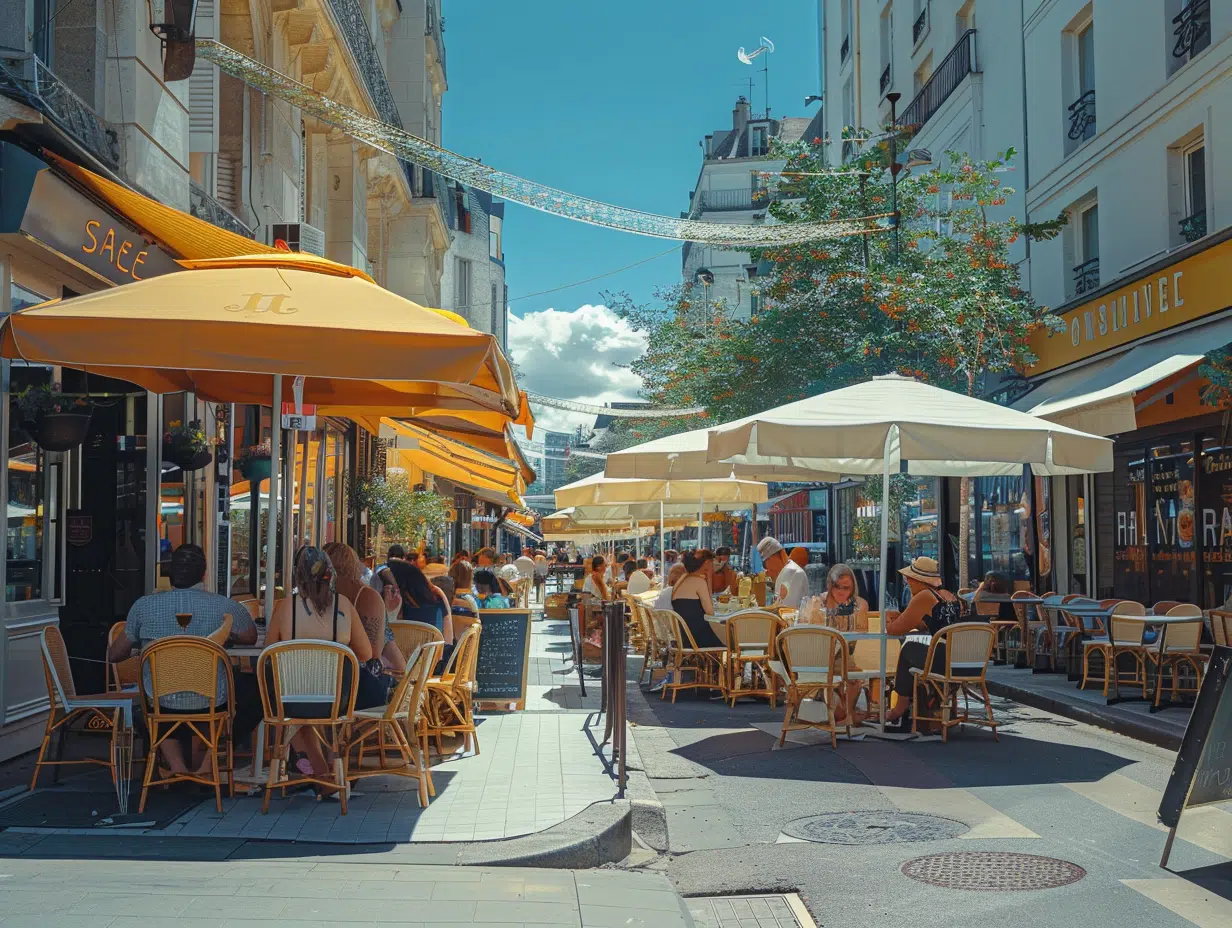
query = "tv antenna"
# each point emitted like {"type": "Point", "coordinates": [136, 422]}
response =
{"type": "Point", "coordinates": [747, 58]}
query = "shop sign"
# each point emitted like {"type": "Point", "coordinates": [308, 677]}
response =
{"type": "Point", "coordinates": [78, 528]}
{"type": "Point", "coordinates": [68, 223]}
{"type": "Point", "coordinates": [1150, 303]}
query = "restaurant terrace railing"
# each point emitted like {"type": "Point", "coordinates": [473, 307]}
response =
{"type": "Point", "coordinates": [1193, 227]}
{"type": "Point", "coordinates": [26, 79]}
{"type": "Point", "coordinates": [953, 69]}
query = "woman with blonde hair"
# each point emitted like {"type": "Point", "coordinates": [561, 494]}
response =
{"type": "Point", "coordinates": [846, 611]}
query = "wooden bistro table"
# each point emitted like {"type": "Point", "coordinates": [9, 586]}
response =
{"type": "Point", "coordinates": [1163, 623]}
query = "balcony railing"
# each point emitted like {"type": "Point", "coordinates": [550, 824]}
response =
{"type": "Point", "coordinates": [204, 206]}
{"type": "Point", "coordinates": [1192, 28]}
{"type": "Point", "coordinates": [1082, 117]}
{"type": "Point", "coordinates": [25, 78]}
{"type": "Point", "coordinates": [953, 69]}
{"type": "Point", "coordinates": [1086, 277]}
{"type": "Point", "coordinates": [719, 201]}
{"type": "Point", "coordinates": [435, 30]}
{"type": "Point", "coordinates": [921, 23]}
{"type": "Point", "coordinates": [885, 80]}
{"type": "Point", "coordinates": [1193, 227]}
{"type": "Point", "coordinates": [845, 49]}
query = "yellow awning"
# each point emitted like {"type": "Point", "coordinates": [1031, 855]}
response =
{"type": "Point", "coordinates": [223, 328]}
{"type": "Point", "coordinates": [462, 424]}
{"type": "Point", "coordinates": [453, 461]}
{"type": "Point", "coordinates": [179, 232]}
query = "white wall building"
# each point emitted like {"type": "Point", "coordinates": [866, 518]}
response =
{"type": "Point", "coordinates": [473, 284]}
{"type": "Point", "coordinates": [731, 188]}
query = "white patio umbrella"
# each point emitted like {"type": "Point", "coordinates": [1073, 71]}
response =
{"type": "Point", "coordinates": [684, 456]}
{"type": "Point", "coordinates": [896, 423]}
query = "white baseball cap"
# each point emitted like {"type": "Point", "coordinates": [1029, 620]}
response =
{"type": "Point", "coordinates": [768, 548]}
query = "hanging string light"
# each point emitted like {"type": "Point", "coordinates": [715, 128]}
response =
{"type": "Point", "coordinates": [402, 144]}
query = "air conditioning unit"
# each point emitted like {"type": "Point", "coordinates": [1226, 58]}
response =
{"type": "Point", "coordinates": [297, 236]}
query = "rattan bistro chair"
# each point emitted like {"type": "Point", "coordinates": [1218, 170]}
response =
{"type": "Point", "coordinates": [1221, 628]}
{"type": "Point", "coordinates": [122, 673]}
{"type": "Point", "coordinates": [750, 643]}
{"type": "Point", "coordinates": [408, 636]}
{"type": "Point", "coordinates": [814, 662]}
{"type": "Point", "coordinates": [1125, 636]}
{"type": "Point", "coordinates": [191, 665]}
{"type": "Point", "coordinates": [451, 696]}
{"type": "Point", "coordinates": [308, 684]}
{"type": "Point", "coordinates": [968, 650]}
{"type": "Point", "coordinates": [521, 592]}
{"type": "Point", "coordinates": [1179, 646]}
{"type": "Point", "coordinates": [685, 657]}
{"type": "Point", "coordinates": [395, 727]}
{"type": "Point", "coordinates": [105, 711]}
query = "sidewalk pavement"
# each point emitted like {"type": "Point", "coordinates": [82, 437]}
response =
{"type": "Point", "coordinates": [77, 893]}
{"type": "Point", "coordinates": [1053, 693]}
{"type": "Point", "coordinates": [537, 769]}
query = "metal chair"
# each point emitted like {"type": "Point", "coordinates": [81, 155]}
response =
{"type": "Point", "coordinates": [750, 644]}
{"type": "Point", "coordinates": [814, 663]}
{"type": "Point", "coordinates": [968, 650]}
{"type": "Point", "coordinates": [451, 696]}
{"type": "Point", "coordinates": [179, 666]}
{"type": "Point", "coordinates": [685, 657]}
{"type": "Point", "coordinates": [396, 726]}
{"type": "Point", "coordinates": [308, 684]}
{"type": "Point", "coordinates": [107, 711]}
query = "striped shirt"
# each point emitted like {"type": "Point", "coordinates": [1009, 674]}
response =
{"type": "Point", "coordinates": [153, 617]}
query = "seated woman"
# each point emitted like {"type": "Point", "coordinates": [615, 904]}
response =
{"type": "Point", "coordinates": [316, 610]}
{"type": "Point", "coordinates": [691, 598]}
{"type": "Point", "coordinates": [423, 602]}
{"type": "Point", "coordinates": [487, 591]}
{"type": "Point", "coordinates": [596, 579]}
{"type": "Point", "coordinates": [463, 576]}
{"type": "Point", "coordinates": [930, 610]}
{"type": "Point", "coordinates": [348, 580]}
{"type": "Point", "coordinates": [846, 611]}
{"type": "Point", "coordinates": [994, 584]}
{"type": "Point", "coordinates": [627, 570]}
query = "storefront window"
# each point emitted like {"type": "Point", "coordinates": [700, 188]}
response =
{"type": "Point", "coordinates": [1130, 531]}
{"type": "Point", "coordinates": [1172, 523]}
{"type": "Point", "coordinates": [1001, 520]}
{"type": "Point", "coordinates": [1214, 518]}
{"type": "Point", "coordinates": [1078, 537]}
{"type": "Point", "coordinates": [27, 483]}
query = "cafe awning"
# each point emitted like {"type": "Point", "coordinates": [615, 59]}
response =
{"type": "Point", "coordinates": [1104, 401]}
{"type": "Point", "coordinates": [453, 461]}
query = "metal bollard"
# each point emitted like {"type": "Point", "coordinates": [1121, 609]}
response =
{"type": "Point", "coordinates": [614, 688]}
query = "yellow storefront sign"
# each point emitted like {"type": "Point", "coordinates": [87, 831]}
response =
{"type": "Point", "coordinates": [1150, 303]}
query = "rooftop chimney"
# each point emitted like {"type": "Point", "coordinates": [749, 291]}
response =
{"type": "Point", "coordinates": [740, 115]}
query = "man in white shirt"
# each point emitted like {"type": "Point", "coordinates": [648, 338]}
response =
{"type": "Point", "coordinates": [526, 565]}
{"type": "Point", "coordinates": [639, 582]}
{"type": "Point", "coordinates": [790, 581]}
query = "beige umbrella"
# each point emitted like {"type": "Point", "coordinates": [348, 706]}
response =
{"type": "Point", "coordinates": [684, 456]}
{"type": "Point", "coordinates": [893, 423]}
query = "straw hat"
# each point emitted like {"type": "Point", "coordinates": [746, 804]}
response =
{"type": "Point", "coordinates": [924, 570]}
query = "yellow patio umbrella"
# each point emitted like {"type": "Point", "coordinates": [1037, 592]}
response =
{"type": "Point", "coordinates": [228, 326]}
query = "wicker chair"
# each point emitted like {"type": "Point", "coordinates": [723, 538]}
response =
{"type": "Point", "coordinates": [651, 656]}
{"type": "Point", "coordinates": [1221, 628]}
{"type": "Point", "coordinates": [1179, 646]}
{"type": "Point", "coordinates": [308, 684]}
{"type": "Point", "coordinates": [68, 707]}
{"type": "Point", "coordinates": [750, 643]}
{"type": "Point", "coordinates": [521, 592]}
{"type": "Point", "coordinates": [408, 636]}
{"type": "Point", "coordinates": [188, 664]}
{"type": "Point", "coordinates": [222, 634]}
{"type": "Point", "coordinates": [1101, 641]}
{"type": "Point", "coordinates": [685, 657]}
{"type": "Point", "coordinates": [1165, 607]}
{"type": "Point", "coordinates": [254, 607]}
{"type": "Point", "coordinates": [1127, 636]}
{"type": "Point", "coordinates": [813, 659]}
{"type": "Point", "coordinates": [968, 647]}
{"type": "Point", "coordinates": [451, 696]}
{"type": "Point", "coordinates": [396, 726]}
{"type": "Point", "coordinates": [122, 673]}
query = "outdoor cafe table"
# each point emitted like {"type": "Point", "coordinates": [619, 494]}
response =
{"type": "Point", "coordinates": [1164, 622]}
{"type": "Point", "coordinates": [1047, 605]}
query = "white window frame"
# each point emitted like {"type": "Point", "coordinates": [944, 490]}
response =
{"type": "Point", "coordinates": [1186, 153]}
{"type": "Point", "coordinates": [463, 285]}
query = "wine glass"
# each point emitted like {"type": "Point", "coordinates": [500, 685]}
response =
{"type": "Point", "coordinates": [183, 618]}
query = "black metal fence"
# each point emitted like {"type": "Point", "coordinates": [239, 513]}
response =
{"type": "Point", "coordinates": [960, 62]}
{"type": "Point", "coordinates": [615, 690]}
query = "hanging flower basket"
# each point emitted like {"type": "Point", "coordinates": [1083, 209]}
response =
{"type": "Point", "coordinates": [254, 462]}
{"type": "Point", "coordinates": [59, 431]}
{"type": "Point", "coordinates": [186, 462]}
{"type": "Point", "coordinates": [187, 446]}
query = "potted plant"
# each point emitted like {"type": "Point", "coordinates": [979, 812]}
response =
{"type": "Point", "coordinates": [254, 461]}
{"type": "Point", "coordinates": [54, 422]}
{"type": "Point", "coordinates": [187, 446]}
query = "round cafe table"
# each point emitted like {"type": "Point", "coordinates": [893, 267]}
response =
{"type": "Point", "coordinates": [1163, 622]}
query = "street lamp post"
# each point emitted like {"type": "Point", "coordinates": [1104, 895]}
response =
{"type": "Point", "coordinates": [895, 167]}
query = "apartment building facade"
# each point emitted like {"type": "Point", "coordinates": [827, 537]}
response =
{"type": "Point", "coordinates": [473, 283]}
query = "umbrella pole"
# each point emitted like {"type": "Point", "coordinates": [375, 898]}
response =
{"type": "Point", "coordinates": [663, 541]}
{"type": "Point", "coordinates": [701, 501]}
{"type": "Point", "coordinates": [637, 541]}
{"type": "Point", "coordinates": [885, 546]}
{"type": "Point", "coordinates": [271, 528]}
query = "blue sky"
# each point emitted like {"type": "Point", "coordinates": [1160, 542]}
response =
{"type": "Point", "coordinates": [608, 100]}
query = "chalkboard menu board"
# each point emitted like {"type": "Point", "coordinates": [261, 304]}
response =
{"type": "Point", "coordinates": [504, 652]}
{"type": "Point", "coordinates": [1203, 771]}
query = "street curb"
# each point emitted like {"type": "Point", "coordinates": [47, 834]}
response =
{"type": "Point", "coordinates": [1089, 715]}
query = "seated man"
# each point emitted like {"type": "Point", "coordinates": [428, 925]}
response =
{"type": "Point", "coordinates": [642, 579]}
{"type": "Point", "coordinates": [153, 617]}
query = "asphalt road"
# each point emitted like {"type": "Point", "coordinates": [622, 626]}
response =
{"type": "Point", "coordinates": [1051, 788]}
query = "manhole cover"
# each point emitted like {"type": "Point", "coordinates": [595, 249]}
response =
{"type": "Point", "coordinates": [992, 871]}
{"type": "Point", "coordinates": [873, 828]}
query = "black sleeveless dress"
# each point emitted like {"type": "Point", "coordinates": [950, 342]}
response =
{"type": "Point", "coordinates": [695, 618]}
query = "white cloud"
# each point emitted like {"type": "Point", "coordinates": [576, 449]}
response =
{"type": "Point", "coordinates": [574, 356]}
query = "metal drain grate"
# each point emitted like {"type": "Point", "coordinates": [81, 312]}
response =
{"type": "Point", "coordinates": [873, 828]}
{"type": "Point", "coordinates": [993, 871]}
{"type": "Point", "coordinates": [778, 910]}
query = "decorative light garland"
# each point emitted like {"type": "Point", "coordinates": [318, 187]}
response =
{"type": "Point", "coordinates": [402, 144]}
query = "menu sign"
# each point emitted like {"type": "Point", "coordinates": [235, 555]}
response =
{"type": "Point", "coordinates": [504, 652]}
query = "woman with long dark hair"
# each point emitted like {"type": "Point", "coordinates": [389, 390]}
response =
{"type": "Point", "coordinates": [423, 602]}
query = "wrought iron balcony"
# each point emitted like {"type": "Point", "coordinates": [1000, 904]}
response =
{"type": "Point", "coordinates": [1193, 227]}
{"type": "Point", "coordinates": [1192, 28]}
{"type": "Point", "coordinates": [719, 201]}
{"type": "Point", "coordinates": [435, 31]}
{"type": "Point", "coordinates": [845, 49]}
{"type": "Point", "coordinates": [204, 206]}
{"type": "Point", "coordinates": [25, 78]}
{"type": "Point", "coordinates": [949, 75]}
{"type": "Point", "coordinates": [921, 23]}
{"type": "Point", "coordinates": [885, 80]}
{"type": "Point", "coordinates": [1082, 117]}
{"type": "Point", "coordinates": [1086, 277]}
